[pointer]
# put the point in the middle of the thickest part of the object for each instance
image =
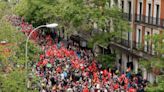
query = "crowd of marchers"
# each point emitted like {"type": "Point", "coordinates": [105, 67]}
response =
{"type": "Point", "coordinates": [71, 69]}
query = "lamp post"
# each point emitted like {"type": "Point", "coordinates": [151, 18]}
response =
{"type": "Point", "coordinates": [26, 51]}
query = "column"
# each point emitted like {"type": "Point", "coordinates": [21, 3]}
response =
{"type": "Point", "coordinates": [144, 71]}
{"type": "Point", "coordinates": [124, 62]}
{"type": "Point", "coordinates": [135, 64]}
{"type": "Point", "coordinates": [151, 77]}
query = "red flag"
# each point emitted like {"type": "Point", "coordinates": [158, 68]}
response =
{"type": "Point", "coordinates": [82, 68]}
{"type": "Point", "coordinates": [48, 53]}
{"type": "Point", "coordinates": [41, 56]}
{"type": "Point", "coordinates": [52, 61]}
{"type": "Point", "coordinates": [105, 72]}
{"type": "Point", "coordinates": [116, 86]}
{"type": "Point", "coordinates": [85, 89]}
{"type": "Point", "coordinates": [132, 90]}
{"type": "Point", "coordinates": [45, 61]}
{"type": "Point", "coordinates": [126, 80]}
{"type": "Point", "coordinates": [58, 69]}
{"type": "Point", "coordinates": [39, 63]}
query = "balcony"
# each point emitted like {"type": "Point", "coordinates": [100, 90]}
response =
{"type": "Point", "coordinates": [158, 22]}
{"type": "Point", "coordinates": [146, 48]}
{"type": "Point", "coordinates": [127, 16]}
{"type": "Point", "coordinates": [123, 42]}
{"type": "Point", "coordinates": [138, 49]}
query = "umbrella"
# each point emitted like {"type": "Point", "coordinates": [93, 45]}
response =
{"type": "Point", "coordinates": [49, 65]}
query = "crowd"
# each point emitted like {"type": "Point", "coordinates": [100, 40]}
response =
{"type": "Point", "coordinates": [68, 68]}
{"type": "Point", "coordinates": [72, 69]}
{"type": "Point", "coordinates": [23, 26]}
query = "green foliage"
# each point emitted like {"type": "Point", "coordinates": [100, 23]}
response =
{"type": "Point", "coordinates": [73, 15]}
{"type": "Point", "coordinates": [12, 36]}
{"type": "Point", "coordinates": [157, 87]}
{"type": "Point", "coordinates": [119, 25]}
{"type": "Point", "coordinates": [156, 62]}
{"type": "Point", "coordinates": [100, 38]}
{"type": "Point", "coordinates": [4, 8]}
{"type": "Point", "coordinates": [146, 64]}
{"type": "Point", "coordinates": [152, 63]}
{"type": "Point", "coordinates": [12, 77]}
{"type": "Point", "coordinates": [106, 60]}
{"type": "Point", "coordinates": [36, 11]}
{"type": "Point", "coordinates": [158, 42]}
{"type": "Point", "coordinates": [8, 33]}
{"type": "Point", "coordinates": [33, 53]}
{"type": "Point", "coordinates": [14, 81]}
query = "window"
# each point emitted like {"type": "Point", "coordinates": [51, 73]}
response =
{"type": "Point", "coordinates": [140, 11]}
{"type": "Point", "coordinates": [128, 39]}
{"type": "Point", "coordinates": [149, 12]}
{"type": "Point", "coordinates": [122, 3]}
{"type": "Point", "coordinates": [129, 16]}
{"type": "Point", "coordinates": [157, 14]}
{"type": "Point", "coordinates": [139, 36]}
{"type": "Point", "coordinates": [148, 33]}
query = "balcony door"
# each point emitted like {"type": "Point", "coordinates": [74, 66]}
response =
{"type": "Point", "coordinates": [122, 3]}
{"type": "Point", "coordinates": [157, 22]}
{"type": "Point", "coordinates": [147, 42]}
{"type": "Point", "coordinates": [129, 11]}
{"type": "Point", "coordinates": [149, 13]}
{"type": "Point", "coordinates": [138, 38]}
{"type": "Point", "coordinates": [140, 11]}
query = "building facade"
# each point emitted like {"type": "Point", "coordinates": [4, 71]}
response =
{"type": "Point", "coordinates": [146, 19]}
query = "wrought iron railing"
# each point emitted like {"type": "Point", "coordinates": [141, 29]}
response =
{"type": "Point", "coordinates": [149, 20]}
{"type": "Point", "coordinates": [127, 16]}
{"type": "Point", "coordinates": [122, 41]}
{"type": "Point", "coordinates": [147, 48]}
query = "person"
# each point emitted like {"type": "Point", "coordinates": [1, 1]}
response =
{"type": "Point", "coordinates": [85, 89]}
{"type": "Point", "coordinates": [79, 72]}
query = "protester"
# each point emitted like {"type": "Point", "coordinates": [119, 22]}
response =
{"type": "Point", "coordinates": [72, 69]}
{"type": "Point", "coordinates": [75, 70]}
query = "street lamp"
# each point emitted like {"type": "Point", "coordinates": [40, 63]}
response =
{"type": "Point", "coordinates": [48, 26]}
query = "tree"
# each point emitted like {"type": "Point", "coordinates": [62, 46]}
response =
{"type": "Point", "coordinates": [106, 61]}
{"type": "Point", "coordinates": [37, 12]}
{"type": "Point", "coordinates": [73, 15]}
{"type": "Point", "coordinates": [158, 47]}
{"type": "Point", "coordinates": [3, 8]}
{"type": "Point", "coordinates": [14, 81]}
{"type": "Point", "coordinates": [12, 59]}
{"type": "Point", "coordinates": [155, 64]}
{"type": "Point", "coordinates": [76, 15]}
{"type": "Point", "coordinates": [157, 87]}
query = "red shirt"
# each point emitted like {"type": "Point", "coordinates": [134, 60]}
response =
{"type": "Point", "coordinates": [85, 89]}
{"type": "Point", "coordinates": [105, 72]}
{"type": "Point", "coordinates": [132, 90]}
{"type": "Point", "coordinates": [116, 86]}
